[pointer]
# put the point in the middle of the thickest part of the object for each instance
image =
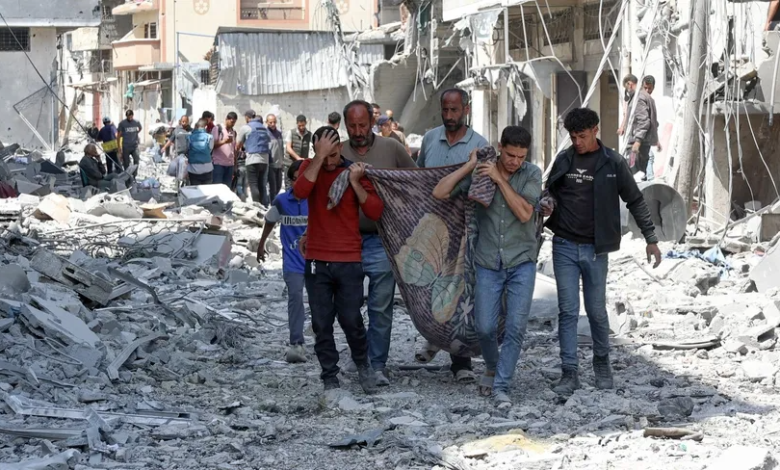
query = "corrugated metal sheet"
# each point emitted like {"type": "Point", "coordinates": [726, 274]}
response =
{"type": "Point", "coordinates": [268, 63]}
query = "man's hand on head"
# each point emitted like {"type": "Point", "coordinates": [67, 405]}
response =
{"type": "Point", "coordinates": [326, 145]}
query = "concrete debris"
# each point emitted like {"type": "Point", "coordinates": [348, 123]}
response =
{"type": "Point", "coordinates": [144, 334]}
{"type": "Point", "coordinates": [741, 457]}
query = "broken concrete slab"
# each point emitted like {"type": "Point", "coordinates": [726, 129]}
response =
{"type": "Point", "coordinates": [66, 459]}
{"type": "Point", "coordinates": [765, 273]}
{"type": "Point", "coordinates": [58, 323]}
{"type": "Point", "coordinates": [121, 358]}
{"type": "Point", "coordinates": [198, 248]}
{"type": "Point", "coordinates": [53, 207]}
{"type": "Point", "coordinates": [13, 281]}
{"type": "Point", "coordinates": [214, 197]}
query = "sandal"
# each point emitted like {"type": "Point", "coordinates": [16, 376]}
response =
{"type": "Point", "coordinates": [486, 383]}
{"type": "Point", "coordinates": [426, 354]}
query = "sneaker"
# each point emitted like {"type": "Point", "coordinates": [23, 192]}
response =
{"type": "Point", "coordinates": [331, 384]}
{"type": "Point", "coordinates": [603, 373]}
{"type": "Point", "coordinates": [380, 377]}
{"type": "Point", "coordinates": [367, 379]}
{"type": "Point", "coordinates": [296, 354]}
{"type": "Point", "coordinates": [570, 381]}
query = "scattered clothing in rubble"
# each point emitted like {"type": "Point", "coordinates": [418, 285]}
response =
{"type": "Point", "coordinates": [714, 256]}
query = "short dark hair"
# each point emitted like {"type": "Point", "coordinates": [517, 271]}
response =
{"type": "Point", "coordinates": [207, 115]}
{"type": "Point", "coordinates": [374, 105]}
{"type": "Point", "coordinates": [649, 79]}
{"type": "Point", "coordinates": [630, 78]}
{"type": "Point", "coordinates": [300, 118]}
{"type": "Point", "coordinates": [369, 107]}
{"type": "Point", "coordinates": [232, 115]}
{"type": "Point", "coordinates": [580, 119]}
{"type": "Point", "coordinates": [464, 95]}
{"type": "Point", "coordinates": [321, 131]}
{"type": "Point", "coordinates": [250, 113]}
{"type": "Point", "coordinates": [516, 136]}
{"type": "Point", "coordinates": [295, 166]}
{"type": "Point", "coordinates": [334, 118]}
{"type": "Point", "coordinates": [129, 112]}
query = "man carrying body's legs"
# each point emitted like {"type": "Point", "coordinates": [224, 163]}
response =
{"type": "Point", "coordinates": [587, 180]}
{"type": "Point", "coordinates": [450, 144]}
{"type": "Point", "coordinates": [334, 273]}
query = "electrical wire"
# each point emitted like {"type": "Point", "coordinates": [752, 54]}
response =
{"type": "Point", "coordinates": [21, 48]}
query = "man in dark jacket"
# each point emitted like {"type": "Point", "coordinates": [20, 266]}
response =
{"type": "Point", "coordinates": [644, 127]}
{"type": "Point", "coordinates": [587, 182]}
{"type": "Point", "coordinates": [93, 168]}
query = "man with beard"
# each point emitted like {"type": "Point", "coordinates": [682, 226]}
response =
{"type": "Point", "coordinates": [381, 152]}
{"type": "Point", "coordinates": [644, 130]}
{"type": "Point", "coordinates": [450, 144]}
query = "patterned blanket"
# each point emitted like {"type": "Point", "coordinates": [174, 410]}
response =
{"type": "Point", "coordinates": [429, 243]}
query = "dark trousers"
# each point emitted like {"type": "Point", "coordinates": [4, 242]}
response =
{"type": "Point", "coordinates": [205, 178]}
{"type": "Point", "coordinates": [112, 162]}
{"type": "Point", "coordinates": [642, 158]}
{"type": "Point", "coordinates": [336, 293]}
{"type": "Point", "coordinates": [126, 154]}
{"type": "Point", "coordinates": [257, 178]}
{"type": "Point", "coordinates": [274, 182]}
{"type": "Point", "coordinates": [223, 175]}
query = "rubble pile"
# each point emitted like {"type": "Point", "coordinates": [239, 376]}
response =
{"type": "Point", "coordinates": [144, 334]}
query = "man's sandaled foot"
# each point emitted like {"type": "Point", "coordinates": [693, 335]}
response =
{"type": "Point", "coordinates": [485, 382]}
{"type": "Point", "coordinates": [465, 376]}
{"type": "Point", "coordinates": [426, 354]}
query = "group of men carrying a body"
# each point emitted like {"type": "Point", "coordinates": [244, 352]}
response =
{"type": "Point", "coordinates": [341, 245]}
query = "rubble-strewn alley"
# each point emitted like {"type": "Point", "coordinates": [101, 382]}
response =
{"type": "Point", "coordinates": [158, 342]}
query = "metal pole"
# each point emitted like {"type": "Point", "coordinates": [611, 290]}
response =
{"type": "Point", "coordinates": [689, 152]}
{"type": "Point", "coordinates": [175, 84]}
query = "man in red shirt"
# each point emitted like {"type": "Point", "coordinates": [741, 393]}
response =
{"type": "Point", "coordinates": [334, 271]}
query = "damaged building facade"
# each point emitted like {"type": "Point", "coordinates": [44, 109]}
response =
{"type": "Point", "coordinates": [31, 88]}
{"type": "Point", "coordinates": [528, 65]}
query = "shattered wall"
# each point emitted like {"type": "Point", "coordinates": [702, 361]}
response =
{"type": "Point", "coordinates": [315, 105]}
{"type": "Point", "coordinates": [18, 80]}
{"type": "Point", "coordinates": [752, 177]}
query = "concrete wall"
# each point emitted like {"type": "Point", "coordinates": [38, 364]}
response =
{"type": "Point", "coordinates": [751, 180]}
{"type": "Point", "coordinates": [315, 105]}
{"type": "Point", "coordinates": [184, 17]}
{"type": "Point", "coordinates": [18, 80]}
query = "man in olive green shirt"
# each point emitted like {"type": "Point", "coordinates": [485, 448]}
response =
{"type": "Point", "coordinates": [505, 254]}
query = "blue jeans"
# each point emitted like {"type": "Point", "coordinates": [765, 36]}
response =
{"type": "Point", "coordinates": [295, 311]}
{"type": "Point", "coordinates": [223, 175]}
{"type": "Point", "coordinates": [381, 293]}
{"type": "Point", "coordinates": [518, 283]}
{"type": "Point", "coordinates": [572, 261]}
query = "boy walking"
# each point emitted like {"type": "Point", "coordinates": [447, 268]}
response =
{"type": "Point", "coordinates": [293, 213]}
{"type": "Point", "coordinates": [334, 272]}
{"type": "Point", "coordinates": [505, 253]}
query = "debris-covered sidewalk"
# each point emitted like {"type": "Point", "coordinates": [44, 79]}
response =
{"type": "Point", "coordinates": [140, 332]}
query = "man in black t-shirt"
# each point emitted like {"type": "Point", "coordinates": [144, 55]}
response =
{"type": "Point", "coordinates": [587, 180]}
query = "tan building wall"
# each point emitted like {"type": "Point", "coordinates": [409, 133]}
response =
{"type": "Point", "coordinates": [191, 18]}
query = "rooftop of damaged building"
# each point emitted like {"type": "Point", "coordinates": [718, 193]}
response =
{"type": "Point", "coordinates": [142, 333]}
